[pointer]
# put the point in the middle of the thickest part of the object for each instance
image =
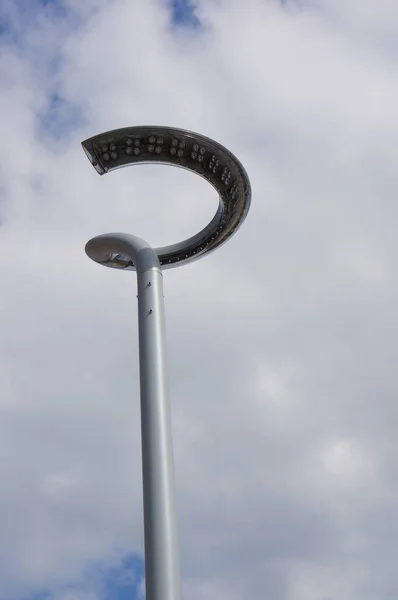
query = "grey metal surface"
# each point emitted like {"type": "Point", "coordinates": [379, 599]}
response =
{"type": "Point", "coordinates": [165, 145]}
{"type": "Point", "coordinates": [162, 569]}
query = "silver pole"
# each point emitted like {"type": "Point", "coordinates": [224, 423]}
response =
{"type": "Point", "coordinates": [162, 568]}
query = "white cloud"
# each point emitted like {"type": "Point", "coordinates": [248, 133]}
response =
{"type": "Point", "coordinates": [282, 344]}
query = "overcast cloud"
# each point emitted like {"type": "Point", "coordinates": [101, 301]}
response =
{"type": "Point", "coordinates": [283, 344]}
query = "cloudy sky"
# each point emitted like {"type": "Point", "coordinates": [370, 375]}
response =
{"type": "Point", "coordinates": [283, 343]}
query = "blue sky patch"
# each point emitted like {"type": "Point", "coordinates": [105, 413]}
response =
{"type": "Point", "coordinates": [107, 583]}
{"type": "Point", "coordinates": [59, 118]}
{"type": "Point", "coordinates": [183, 13]}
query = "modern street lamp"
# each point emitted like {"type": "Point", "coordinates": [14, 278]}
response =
{"type": "Point", "coordinates": [177, 147]}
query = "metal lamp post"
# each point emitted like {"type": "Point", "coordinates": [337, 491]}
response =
{"type": "Point", "coordinates": [177, 147]}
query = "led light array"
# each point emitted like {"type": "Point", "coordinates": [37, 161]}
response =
{"type": "Point", "coordinates": [134, 147]}
{"type": "Point", "coordinates": [109, 152]}
{"type": "Point", "coordinates": [156, 145]}
{"type": "Point", "coordinates": [177, 148]}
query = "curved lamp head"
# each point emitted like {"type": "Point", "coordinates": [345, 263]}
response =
{"type": "Point", "coordinates": [179, 148]}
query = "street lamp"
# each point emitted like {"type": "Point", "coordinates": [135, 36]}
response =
{"type": "Point", "coordinates": [163, 145]}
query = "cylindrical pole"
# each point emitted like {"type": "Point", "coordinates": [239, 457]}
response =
{"type": "Point", "coordinates": [161, 547]}
{"type": "Point", "coordinates": [162, 568]}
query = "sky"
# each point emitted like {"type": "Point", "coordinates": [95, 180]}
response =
{"type": "Point", "coordinates": [283, 344]}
